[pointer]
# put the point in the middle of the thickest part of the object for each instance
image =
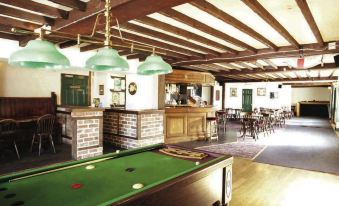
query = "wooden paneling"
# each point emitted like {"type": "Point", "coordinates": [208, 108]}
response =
{"type": "Point", "coordinates": [18, 107]}
{"type": "Point", "coordinates": [176, 125]}
{"type": "Point", "coordinates": [184, 76]}
{"type": "Point", "coordinates": [196, 124]}
{"type": "Point", "coordinates": [186, 123]}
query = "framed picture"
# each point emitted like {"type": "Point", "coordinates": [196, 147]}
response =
{"type": "Point", "coordinates": [132, 88]}
{"type": "Point", "coordinates": [273, 95]}
{"type": "Point", "coordinates": [234, 92]}
{"type": "Point", "coordinates": [261, 91]}
{"type": "Point", "coordinates": [217, 95]}
{"type": "Point", "coordinates": [101, 89]}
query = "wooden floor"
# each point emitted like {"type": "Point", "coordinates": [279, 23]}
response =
{"type": "Point", "coordinates": [257, 184]}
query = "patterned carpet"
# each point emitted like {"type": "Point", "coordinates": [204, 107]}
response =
{"type": "Point", "coordinates": [248, 150]}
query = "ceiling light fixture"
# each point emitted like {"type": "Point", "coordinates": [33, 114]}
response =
{"type": "Point", "coordinates": [154, 65]}
{"type": "Point", "coordinates": [107, 58]}
{"type": "Point", "coordinates": [39, 54]}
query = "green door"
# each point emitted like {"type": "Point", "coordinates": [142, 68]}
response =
{"type": "Point", "coordinates": [74, 90]}
{"type": "Point", "coordinates": [247, 100]}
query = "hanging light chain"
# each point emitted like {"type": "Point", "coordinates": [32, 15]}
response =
{"type": "Point", "coordinates": [108, 24]}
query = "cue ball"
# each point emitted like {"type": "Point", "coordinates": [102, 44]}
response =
{"type": "Point", "coordinates": [137, 186]}
{"type": "Point", "coordinates": [90, 167]}
{"type": "Point", "coordinates": [197, 163]}
{"type": "Point", "coordinates": [118, 151]}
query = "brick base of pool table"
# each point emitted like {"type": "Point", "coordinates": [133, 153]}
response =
{"type": "Point", "coordinates": [168, 181]}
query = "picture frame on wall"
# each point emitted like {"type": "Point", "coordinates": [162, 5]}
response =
{"type": "Point", "coordinates": [274, 95]}
{"type": "Point", "coordinates": [233, 92]}
{"type": "Point", "coordinates": [261, 91]}
{"type": "Point", "coordinates": [217, 95]}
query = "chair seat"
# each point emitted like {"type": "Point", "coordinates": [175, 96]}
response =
{"type": "Point", "coordinates": [211, 118]}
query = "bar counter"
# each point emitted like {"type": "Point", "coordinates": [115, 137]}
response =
{"type": "Point", "coordinates": [185, 123]}
{"type": "Point", "coordinates": [133, 128]}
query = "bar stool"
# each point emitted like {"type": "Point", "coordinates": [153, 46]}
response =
{"type": "Point", "coordinates": [212, 128]}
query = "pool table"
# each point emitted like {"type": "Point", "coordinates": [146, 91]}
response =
{"type": "Point", "coordinates": [143, 176]}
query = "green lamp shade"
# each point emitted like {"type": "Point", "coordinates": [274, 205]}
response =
{"type": "Point", "coordinates": [154, 65]}
{"type": "Point", "coordinates": [39, 54]}
{"type": "Point", "coordinates": [107, 59]}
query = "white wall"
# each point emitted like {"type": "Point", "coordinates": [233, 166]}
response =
{"type": "Point", "coordinates": [310, 94]}
{"type": "Point", "coordinates": [217, 104]}
{"type": "Point", "coordinates": [283, 100]}
{"type": "Point", "coordinates": [146, 96]}
{"type": "Point", "coordinates": [21, 82]}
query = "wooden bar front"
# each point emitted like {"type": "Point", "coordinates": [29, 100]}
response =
{"type": "Point", "coordinates": [186, 123]}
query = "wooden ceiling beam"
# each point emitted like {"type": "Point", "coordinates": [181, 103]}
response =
{"type": "Point", "coordinates": [169, 38]}
{"type": "Point", "coordinates": [305, 10]}
{"type": "Point", "coordinates": [74, 4]}
{"type": "Point", "coordinates": [155, 43]}
{"type": "Point", "coordinates": [18, 24]}
{"type": "Point", "coordinates": [332, 73]}
{"type": "Point", "coordinates": [272, 64]}
{"type": "Point", "coordinates": [218, 13]}
{"type": "Point", "coordinates": [286, 51]}
{"type": "Point", "coordinates": [4, 35]}
{"type": "Point", "coordinates": [37, 7]}
{"type": "Point", "coordinates": [118, 44]}
{"type": "Point", "coordinates": [9, 11]}
{"type": "Point", "coordinates": [281, 69]}
{"type": "Point", "coordinates": [136, 56]}
{"type": "Point", "coordinates": [204, 28]}
{"type": "Point", "coordinates": [288, 79]}
{"type": "Point", "coordinates": [266, 16]}
{"type": "Point", "coordinates": [67, 44]}
{"type": "Point", "coordinates": [181, 32]}
{"type": "Point", "coordinates": [123, 10]}
{"type": "Point", "coordinates": [242, 64]}
{"type": "Point", "coordinates": [177, 52]}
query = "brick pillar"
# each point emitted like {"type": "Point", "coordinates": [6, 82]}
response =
{"type": "Point", "coordinates": [87, 134]}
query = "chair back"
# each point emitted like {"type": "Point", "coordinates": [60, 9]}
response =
{"type": "Point", "coordinates": [8, 127]}
{"type": "Point", "coordinates": [45, 124]}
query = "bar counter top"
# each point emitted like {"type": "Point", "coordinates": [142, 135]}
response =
{"type": "Point", "coordinates": [134, 111]}
{"type": "Point", "coordinates": [78, 109]}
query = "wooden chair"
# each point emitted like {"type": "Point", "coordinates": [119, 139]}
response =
{"type": "Point", "coordinates": [221, 120]}
{"type": "Point", "coordinates": [8, 133]}
{"type": "Point", "coordinates": [44, 130]}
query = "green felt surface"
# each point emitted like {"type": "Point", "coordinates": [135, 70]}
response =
{"type": "Point", "coordinates": [107, 183]}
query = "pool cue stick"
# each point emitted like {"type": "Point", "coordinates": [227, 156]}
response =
{"type": "Point", "coordinates": [60, 169]}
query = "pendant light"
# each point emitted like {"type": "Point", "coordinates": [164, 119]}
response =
{"type": "Point", "coordinates": [107, 58]}
{"type": "Point", "coordinates": [154, 65]}
{"type": "Point", "coordinates": [39, 54]}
